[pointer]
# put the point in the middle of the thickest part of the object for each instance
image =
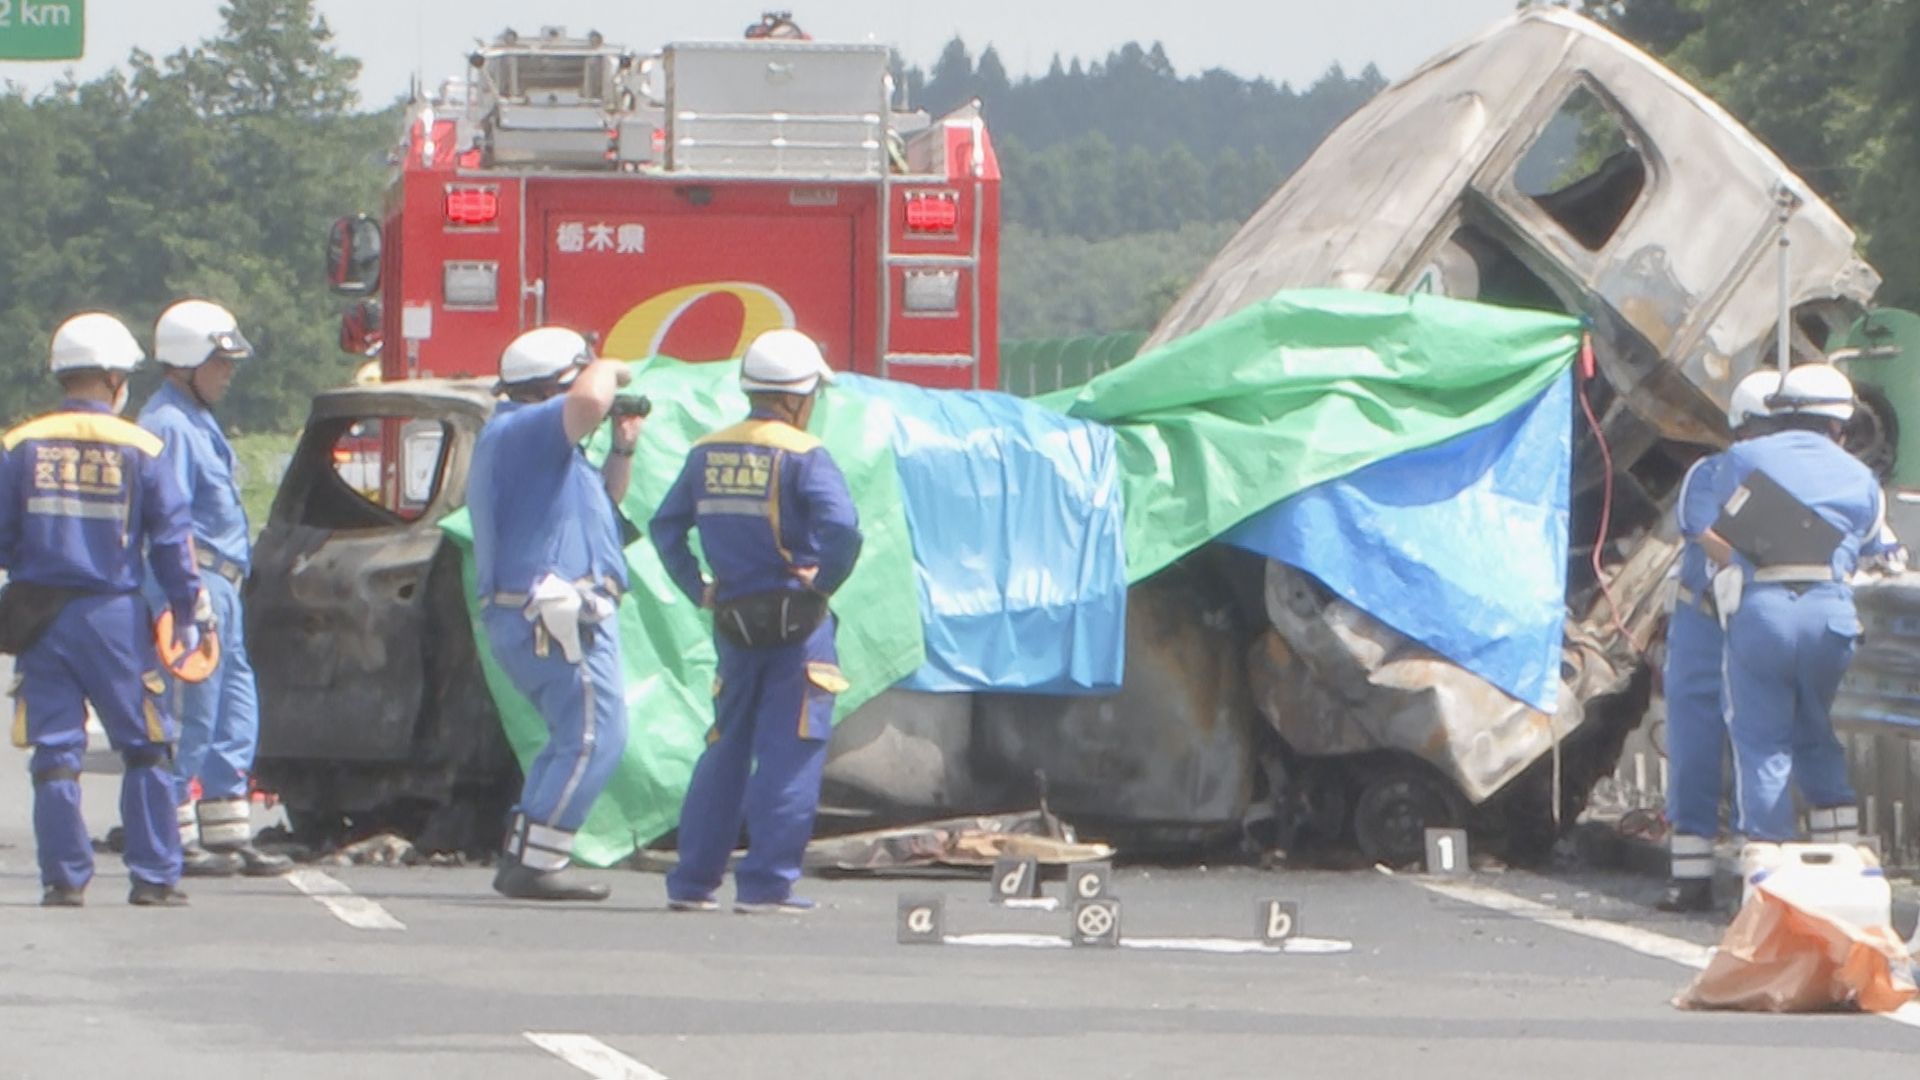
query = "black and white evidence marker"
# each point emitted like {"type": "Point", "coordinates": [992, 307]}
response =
{"type": "Point", "coordinates": [1447, 852]}
{"type": "Point", "coordinates": [1096, 923]}
{"type": "Point", "coordinates": [1276, 920]}
{"type": "Point", "coordinates": [1015, 879]}
{"type": "Point", "coordinates": [1089, 881]}
{"type": "Point", "coordinates": [922, 920]}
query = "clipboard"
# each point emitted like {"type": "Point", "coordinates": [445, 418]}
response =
{"type": "Point", "coordinates": [1765, 523]}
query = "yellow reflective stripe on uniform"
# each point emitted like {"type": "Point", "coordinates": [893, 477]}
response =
{"type": "Point", "coordinates": [773, 434]}
{"type": "Point", "coordinates": [86, 427]}
{"type": "Point", "coordinates": [773, 511]}
{"type": "Point", "coordinates": [154, 729]}
{"type": "Point", "coordinates": [827, 677]}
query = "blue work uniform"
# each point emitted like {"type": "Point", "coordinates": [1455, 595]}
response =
{"type": "Point", "coordinates": [768, 501]}
{"type": "Point", "coordinates": [84, 497]}
{"type": "Point", "coordinates": [1792, 637]}
{"type": "Point", "coordinates": [1694, 684]}
{"type": "Point", "coordinates": [220, 717]}
{"type": "Point", "coordinates": [539, 508]}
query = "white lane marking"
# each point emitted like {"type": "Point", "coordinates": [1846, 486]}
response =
{"type": "Point", "coordinates": [1233, 946]}
{"type": "Point", "coordinates": [591, 1056]}
{"type": "Point", "coordinates": [1645, 942]}
{"type": "Point", "coordinates": [332, 894]}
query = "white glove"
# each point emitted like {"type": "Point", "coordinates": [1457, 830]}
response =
{"type": "Point", "coordinates": [1727, 585]}
{"type": "Point", "coordinates": [563, 608]}
{"type": "Point", "coordinates": [203, 613]}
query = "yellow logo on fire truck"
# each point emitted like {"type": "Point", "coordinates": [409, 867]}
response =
{"type": "Point", "coordinates": [640, 332]}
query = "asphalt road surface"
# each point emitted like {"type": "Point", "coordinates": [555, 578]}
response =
{"type": "Point", "coordinates": [370, 973]}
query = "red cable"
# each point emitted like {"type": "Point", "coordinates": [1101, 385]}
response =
{"type": "Point", "coordinates": [1587, 374]}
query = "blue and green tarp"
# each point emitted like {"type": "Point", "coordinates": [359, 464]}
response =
{"type": "Point", "coordinates": [1015, 526]}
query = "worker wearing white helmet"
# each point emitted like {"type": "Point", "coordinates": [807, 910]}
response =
{"type": "Point", "coordinates": [1791, 627]}
{"type": "Point", "coordinates": [85, 502]}
{"type": "Point", "coordinates": [199, 345]}
{"type": "Point", "coordinates": [1692, 680]}
{"type": "Point", "coordinates": [550, 562]}
{"type": "Point", "coordinates": [780, 534]}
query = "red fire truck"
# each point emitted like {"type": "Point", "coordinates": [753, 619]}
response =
{"type": "Point", "coordinates": [677, 205]}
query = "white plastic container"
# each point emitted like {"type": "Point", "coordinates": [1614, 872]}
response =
{"type": "Point", "coordinates": [1842, 882]}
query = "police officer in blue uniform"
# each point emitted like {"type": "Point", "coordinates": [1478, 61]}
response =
{"type": "Point", "coordinates": [779, 531]}
{"type": "Point", "coordinates": [84, 497]}
{"type": "Point", "coordinates": [1792, 629]}
{"type": "Point", "coordinates": [1693, 679]}
{"type": "Point", "coordinates": [550, 567]}
{"type": "Point", "coordinates": [199, 344]}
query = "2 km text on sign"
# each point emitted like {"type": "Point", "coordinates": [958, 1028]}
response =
{"type": "Point", "coordinates": [42, 29]}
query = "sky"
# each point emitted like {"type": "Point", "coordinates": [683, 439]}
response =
{"type": "Point", "coordinates": [1283, 40]}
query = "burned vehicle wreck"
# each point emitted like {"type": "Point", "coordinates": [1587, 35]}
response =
{"type": "Point", "coordinates": [1544, 164]}
{"type": "Point", "coordinates": [374, 715]}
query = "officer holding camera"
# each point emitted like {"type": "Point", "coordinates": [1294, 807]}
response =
{"type": "Point", "coordinates": [551, 567]}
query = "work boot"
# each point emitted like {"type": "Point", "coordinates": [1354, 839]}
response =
{"type": "Point", "coordinates": [197, 861]}
{"type": "Point", "coordinates": [1689, 895]}
{"type": "Point", "coordinates": [257, 863]}
{"type": "Point", "coordinates": [525, 883]}
{"type": "Point", "coordinates": [148, 894]}
{"type": "Point", "coordinates": [63, 896]}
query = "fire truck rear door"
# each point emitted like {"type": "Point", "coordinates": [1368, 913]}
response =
{"type": "Point", "coordinates": [698, 286]}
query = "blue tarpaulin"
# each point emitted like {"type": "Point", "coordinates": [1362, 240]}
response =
{"type": "Point", "coordinates": [1017, 523]}
{"type": "Point", "coordinates": [1461, 546]}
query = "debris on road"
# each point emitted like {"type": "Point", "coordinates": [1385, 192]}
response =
{"type": "Point", "coordinates": [955, 842]}
{"type": "Point", "coordinates": [385, 849]}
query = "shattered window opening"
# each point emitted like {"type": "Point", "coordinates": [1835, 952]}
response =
{"type": "Point", "coordinates": [1584, 170]}
{"type": "Point", "coordinates": [371, 472]}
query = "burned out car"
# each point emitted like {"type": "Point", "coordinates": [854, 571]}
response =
{"type": "Point", "coordinates": [374, 714]}
{"type": "Point", "coordinates": [1543, 164]}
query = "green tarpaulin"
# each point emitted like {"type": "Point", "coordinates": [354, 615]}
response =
{"type": "Point", "coordinates": [666, 642]}
{"type": "Point", "coordinates": [1213, 428]}
{"type": "Point", "coordinates": [1309, 386]}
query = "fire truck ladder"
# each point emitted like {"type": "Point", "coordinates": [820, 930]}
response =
{"type": "Point", "coordinates": [965, 266]}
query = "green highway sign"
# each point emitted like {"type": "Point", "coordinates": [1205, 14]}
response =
{"type": "Point", "coordinates": [42, 29]}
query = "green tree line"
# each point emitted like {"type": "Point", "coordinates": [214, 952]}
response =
{"type": "Point", "coordinates": [1121, 176]}
{"type": "Point", "coordinates": [212, 172]}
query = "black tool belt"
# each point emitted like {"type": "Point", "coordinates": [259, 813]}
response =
{"type": "Point", "coordinates": [27, 609]}
{"type": "Point", "coordinates": [770, 619]}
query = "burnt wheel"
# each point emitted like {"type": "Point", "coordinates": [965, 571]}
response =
{"type": "Point", "coordinates": [1395, 809]}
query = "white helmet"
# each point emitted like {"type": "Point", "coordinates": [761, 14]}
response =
{"type": "Point", "coordinates": [95, 342]}
{"type": "Point", "coordinates": [192, 332]}
{"type": "Point", "coordinates": [542, 354]}
{"type": "Point", "coordinates": [1815, 390]}
{"type": "Point", "coordinates": [783, 362]}
{"type": "Point", "coordinates": [1749, 400]}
